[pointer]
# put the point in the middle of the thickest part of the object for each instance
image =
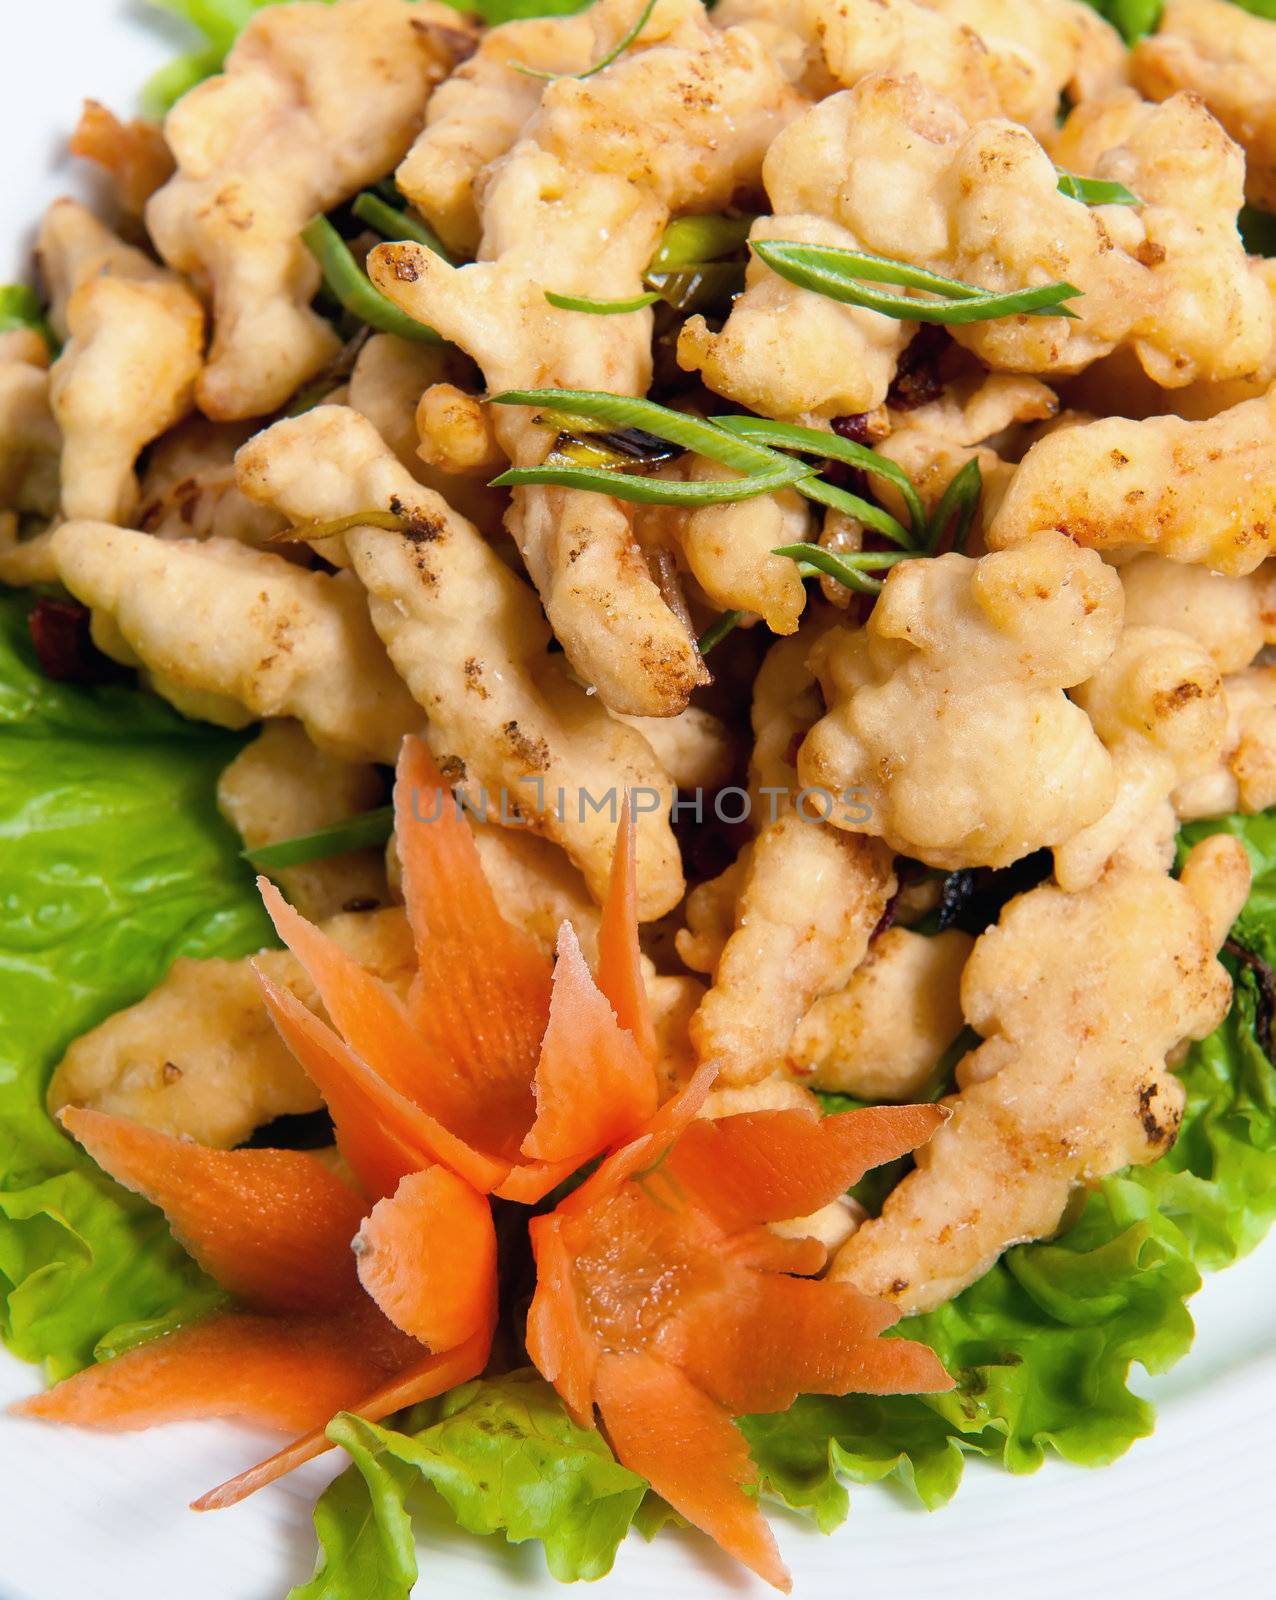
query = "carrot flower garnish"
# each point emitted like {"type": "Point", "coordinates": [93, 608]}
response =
{"type": "Point", "coordinates": [664, 1301]}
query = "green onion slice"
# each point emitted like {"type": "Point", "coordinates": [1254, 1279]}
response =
{"type": "Point", "coordinates": [788, 436]}
{"type": "Point", "coordinates": [354, 289]}
{"type": "Point", "coordinates": [717, 631]}
{"type": "Point", "coordinates": [693, 241]}
{"type": "Point", "coordinates": [691, 433]}
{"type": "Point", "coordinates": [1095, 191]}
{"type": "Point", "coordinates": [391, 223]}
{"type": "Point", "coordinates": [601, 308]}
{"type": "Point", "coordinates": [656, 491]}
{"type": "Point", "coordinates": [308, 532]}
{"type": "Point", "coordinates": [958, 506]}
{"type": "Point", "coordinates": [851, 569]}
{"type": "Point", "coordinates": [693, 288]}
{"type": "Point", "coordinates": [841, 274]}
{"type": "Point", "coordinates": [355, 833]}
{"type": "Point", "coordinates": [618, 49]}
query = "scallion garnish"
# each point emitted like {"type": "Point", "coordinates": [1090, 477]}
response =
{"type": "Point", "coordinates": [618, 49]}
{"type": "Point", "coordinates": [693, 288]}
{"type": "Point", "coordinates": [957, 508]}
{"type": "Point", "coordinates": [657, 491]}
{"type": "Point", "coordinates": [601, 308]}
{"type": "Point", "coordinates": [717, 631]}
{"type": "Point", "coordinates": [354, 833]}
{"type": "Point", "coordinates": [693, 241]}
{"type": "Point", "coordinates": [392, 223]}
{"type": "Point", "coordinates": [841, 275]}
{"type": "Point", "coordinates": [852, 568]}
{"type": "Point", "coordinates": [1095, 191]}
{"type": "Point", "coordinates": [626, 411]}
{"type": "Point", "coordinates": [309, 532]}
{"type": "Point", "coordinates": [354, 289]}
{"type": "Point", "coordinates": [811, 441]}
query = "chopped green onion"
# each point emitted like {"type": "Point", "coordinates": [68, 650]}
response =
{"type": "Point", "coordinates": [656, 491]}
{"type": "Point", "coordinates": [693, 241]}
{"type": "Point", "coordinates": [392, 223]}
{"type": "Point", "coordinates": [958, 506]}
{"type": "Point", "coordinates": [618, 49]}
{"type": "Point", "coordinates": [691, 433]}
{"type": "Point", "coordinates": [717, 631]}
{"type": "Point", "coordinates": [788, 436]}
{"type": "Point", "coordinates": [354, 289]}
{"type": "Point", "coordinates": [308, 532]}
{"type": "Point", "coordinates": [355, 833]}
{"type": "Point", "coordinates": [1095, 191]}
{"type": "Point", "coordinates": [850, 569]}
{"type": "Point", "coordinates": [627, 447]}
{"type": "Point", "coordinates": [840, 275]}
{"type": "Point", "coordinates": [601, 308]}
{"type": "Point", "coordinates": [851, 505]}
{"type": "Point", "coordinates": [692, 288]}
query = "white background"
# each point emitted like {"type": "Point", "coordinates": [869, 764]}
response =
{"type": "Point", "coordinates": [1187, 1515]}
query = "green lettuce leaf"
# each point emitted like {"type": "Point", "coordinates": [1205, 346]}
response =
{"type": "Point", "coordinates": [505, 1457]}
{"type": "Point", "coordinates": [20, 308]}
{"type": "Point", "coordinates": [1042, 1345]}
{"type": "Point", "coordinates": [116, 862]}
{"type": "Point", "coordinates": [1134, 18]}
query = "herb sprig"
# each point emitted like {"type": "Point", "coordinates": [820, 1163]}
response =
{"type": "Point", "coordinates": [841, 275]}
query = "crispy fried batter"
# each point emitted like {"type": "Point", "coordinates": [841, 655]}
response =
{"type": "Point", "coordinates": [134, 339]}
{"type": "Point", "coordinates": [231, 634]}
{"type": "Point", "coordinates": [1231, 618]}
{"type": "Point", "coordinates": [1228, 57]}
{"type": "Point", "coordinates": [947, 710]}
{"type": "Point", "coordinates": [679, 122]}
{"type": "Point", "coordinates": [188, 488]}
{"type": "Point", "coordinates": [282, 786]}
{"type": "Point", "coordinates": [1193, 491]}
{"type": "Point", "coordinates": [133, 154]}
{"type": "Point", "coordinates": [881, 1037]}
{"type": "Point", "coordinates": [314, 102]}
{"type": "Point", "coordinates": [1157, 704]}
{"type": "Point", "coordinates": [469, 640]}
{"type": "Point", "coordinates": [199, 1057]}
{"type": "Point", "coordinates": [1071, 1082]}
{"type": "Point", "coordinates": [30, 446]}
{"type": "Point", "coordinates": [1243, 777]}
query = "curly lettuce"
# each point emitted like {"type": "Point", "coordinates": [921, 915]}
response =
{"type": "Point", "coordinates": [504, 1456]}
{"type": "Point", "coordinates": [116, 862]}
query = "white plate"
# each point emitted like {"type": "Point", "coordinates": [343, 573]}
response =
{"type": "Point", "coordinates": [1184, 1516]}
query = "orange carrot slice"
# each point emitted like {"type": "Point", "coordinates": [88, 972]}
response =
{"type": "Point", "coordinates": [767, 1166]}
{"type": "Point", "coordinates": [481, 996]}
{"type": "Point", "coordinates": [362, 1102]}
{"type": "Point", "coordinates": [272, 1226]}
{"type": "Point", "coordinates": [290, 1373]}
{"type": "Point", "coordinates": [594, 1087]}
{"type": "Point", "coordinates": [556, 1339]}
{"type": "Point", "coordinates": [428, 1258]}
{"type": "Point", "coordinates": [760, 1340]}
{"type": "Point", "coordinates": [422, 1381]}
{"type": "Point", "coordinates": [662, 1427]}
{"type": "Point", "coordinates": [619, 955]}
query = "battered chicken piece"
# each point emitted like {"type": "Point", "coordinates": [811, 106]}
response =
{"type": "Point", "coordinates": [680, 121]}
{"type": "Point", "coordinates": [1228, 57]}
{"type": "Point", "coordinates": [315, 101]}
{"type": "Point", "coordinates": [1010, 58]}
{"type": "Point", "coordinates": [391, 378]}
{"type": "Point", "coordinates": [1157, 704]}
{"type": "Point", "coordinates": [199, 1057]}
{"type": "Point", "coordinates": [188, 489]}
{"type": "Point", "coordinates": [469, 640]}
{"type": "Point", "coordinates": [477, 115]}
{"type": "Point", "coordinates": [694, 748]}
{"type": "Point", "coordinates": [1080, 998]}
{"type": "Point", "coordinates": [902, 173]}
{"type": "Point", "coordinates": [728, 550]}
{"type": "Point", "coordinates": [882, 1036]}
{"type": "Point", "coordinates": [1243, 778]}
{"type": "Point", "coordinates": [455, 434]}
{"type": "Point", "coordinates": [133, 154]}
{"type": "Point", "coordinates": [134, 340]}
{"type": "Point", "coordinates": [790, 920]}
{"type": "Point", "coordinates": [30, 447]}
{"type": "Point", "coordinates": [282, 786]}
{"type": "Point", "coordinates": [230, 634]}
{"type": "Point", "coordinates": [947, 711]}
{"type": "Point", "coordinates": [933, 442]}
{"type": "Point", "coordinates": [1192, 491]}
{"type": "Point", "coordinates": [1231, 618]}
